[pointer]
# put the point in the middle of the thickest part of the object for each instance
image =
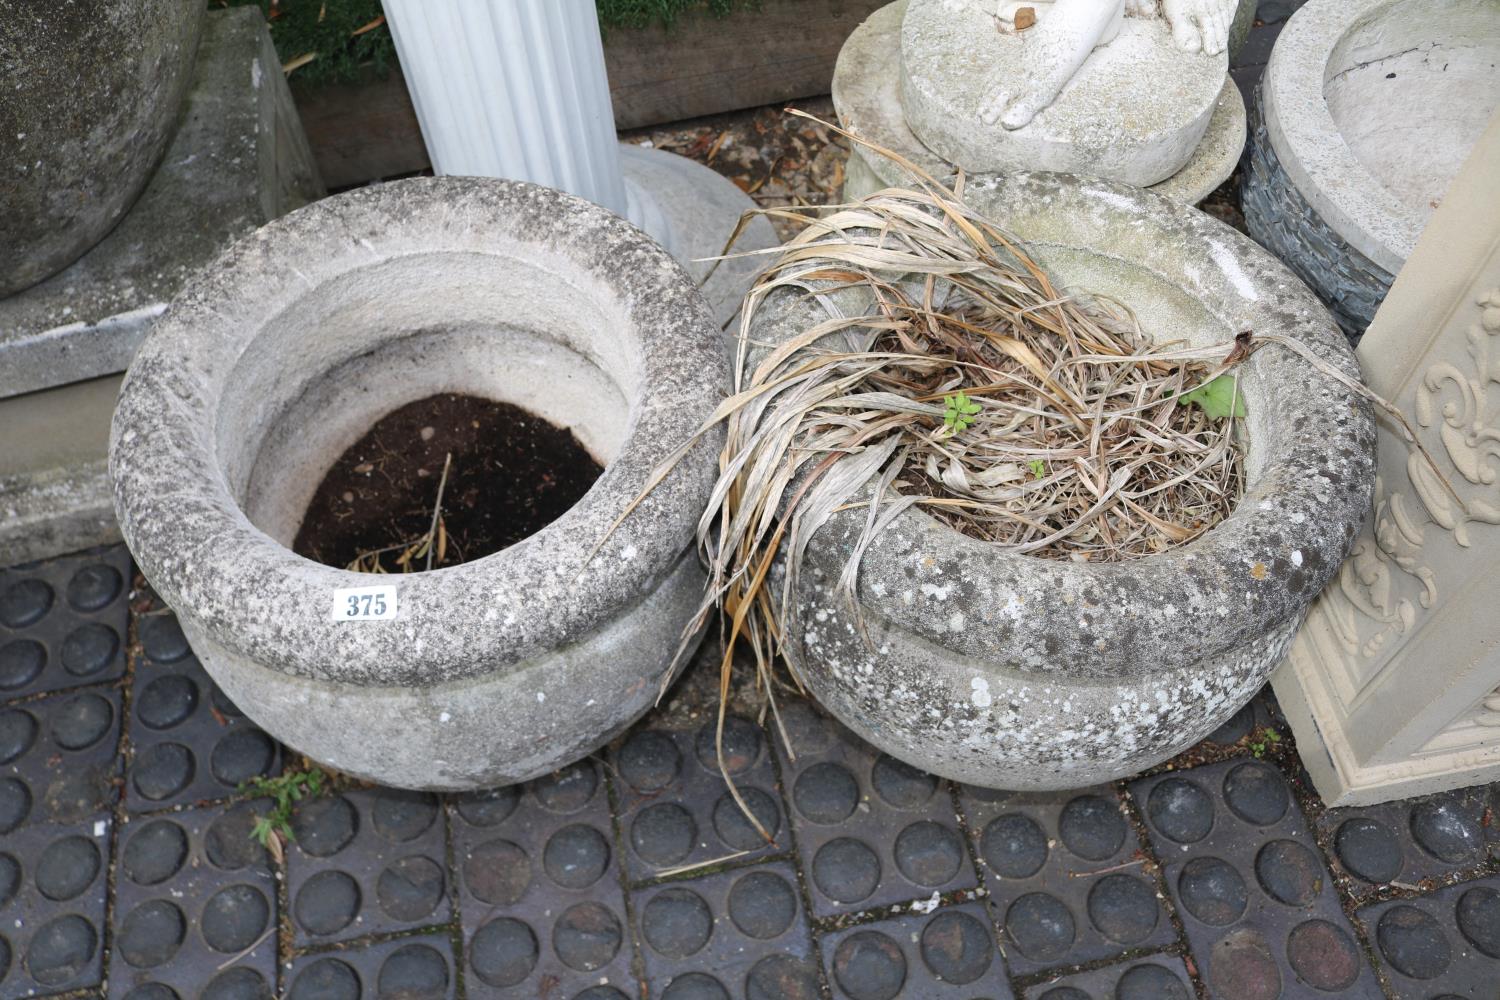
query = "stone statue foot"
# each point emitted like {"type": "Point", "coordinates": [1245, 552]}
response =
{"type": "Point", "coordinates": [1200, 25]}
{"type": "Point", "coordinates": [1055, 48]}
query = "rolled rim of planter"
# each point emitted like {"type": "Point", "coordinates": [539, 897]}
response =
{"type": "Point", "coordinates": [1309, 466]}
{"type": "Point", "coordinates": [1311, 145]}
{"type": "Point", "coordinates": [251, 335]}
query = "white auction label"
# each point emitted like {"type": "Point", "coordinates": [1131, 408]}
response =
{"type": "Point", "coordinates": [364, 604]}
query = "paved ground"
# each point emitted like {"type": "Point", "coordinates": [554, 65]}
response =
{"type": "Point", "coordinates": [127, 867]}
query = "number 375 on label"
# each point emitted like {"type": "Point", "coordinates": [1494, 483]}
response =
{"type": "Point", "coordinates": [364, 604]}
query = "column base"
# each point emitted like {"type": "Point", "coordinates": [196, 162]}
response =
{"type": "Point", "coordinates": [692, 211]}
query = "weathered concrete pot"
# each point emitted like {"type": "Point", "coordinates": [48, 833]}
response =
{"type": "Point", "coordinates": [1367, 110]}
{"type": "Point", "coordinates": [1016, 672]}
{"type": "Point", "coordinates": [91, 95]}
{"type": "Point", "coordinates": [302, 335]}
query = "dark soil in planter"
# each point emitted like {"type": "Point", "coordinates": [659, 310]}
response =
{"type": "Point", "coordinates": [511, 474]}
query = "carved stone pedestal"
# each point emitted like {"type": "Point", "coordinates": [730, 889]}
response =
{"type": "Point", "coordinates": [1393, 685]}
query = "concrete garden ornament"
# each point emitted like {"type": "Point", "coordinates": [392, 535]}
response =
{"type": "Point", "coordinates": [1125, 90]}
{"type": "Point", "coordinates": [979, 659]}
{"type": "Point", "coordinates": [270, 364]}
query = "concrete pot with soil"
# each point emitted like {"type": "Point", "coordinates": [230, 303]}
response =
{"type": "Point", "coordinates": [92, 94]}
{"type": "Point", "coordinates": [1012, 671]}
{"type": "Point", "coordinates": [277, 360]}
{"type": "Point", "coordinates": [1367, 110]}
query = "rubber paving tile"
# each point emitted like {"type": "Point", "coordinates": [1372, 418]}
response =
{"type": "Point", "coordinates": [1255, 896]}
{"type": "Point", "coordinates": [190, 741]}
{"type": "Point", "coordinates": [366, 862]}
{"type": "Point", "coordinates": [63, 622]}
{"type": "Point", "coordinates": [870, 830]}
{"type": "Point", "coordinates": [1414, 839]}
{"type": "Point", "coordinates": [947, 953]}
{"type": "Point", "coordinates": [1443, 946]}
{"type": "Point", "coordinates": [1065, 874]}
{"type": "Point", "coordinates": [1161, 977]}
{"type": "Point", "coordinates": [738, 933]}
{"type": "Point", "coordinates": [675, 809]}
{"type": "Point", "coordinates": [195, 907]}
{"type": "Point", "coordinates": [541, 900]}
{"type": "Point", "coordinates": [407, 968]}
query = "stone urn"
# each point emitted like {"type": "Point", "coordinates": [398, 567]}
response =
{"type": "Point", "coordinates": [1011, 671]}
{"type": "Point", "coordinates": [91, 96]}
{"type": "Point", "coordinates": [280, 356]}
{"type": "Point", "coordinates": [1367, 110]}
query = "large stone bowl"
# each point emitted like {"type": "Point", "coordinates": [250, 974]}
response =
{"type": "Point", "coordinates": [1012, 671]}
{"type": "Point", "coordinates": [91, 96]}
{"type": "Point", "coordinates": [283, 354]}
{"type": "Point", "coordinates": [1367, 110]}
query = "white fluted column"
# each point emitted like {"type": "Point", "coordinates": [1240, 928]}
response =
{"type": "Point", "coordinates": [516, 89]}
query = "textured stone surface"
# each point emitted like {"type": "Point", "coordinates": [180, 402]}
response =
{"type": "Point", "coordinates": [1413, 839]}
{"type": "Point", "coordinates": [1349, 98]}
{"type": "Point", "coordinates": [1071, 855]}
{"type": "Point", "coordinates": [408, 968]}
{"type": "Point", "coordinates": [85, 122]}
{"type": "Point", "coordinates": [236, 159]}
{"type": "Point", "coordinates": [1160, 978]}
{"type": "Point", "coordinates": [1115, 119]}
{"type": "Point", "coordinates": [965, 642]}
{"type": "Point", "coordinates": [867, 95]}
{"type": "Point", "coordinates": [492, 671]}
{"type": "Point", "coordinates": [700, 821]}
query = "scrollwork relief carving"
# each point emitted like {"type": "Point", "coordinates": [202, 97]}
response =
{"type": "Point", "coordinates": [1369, 590]}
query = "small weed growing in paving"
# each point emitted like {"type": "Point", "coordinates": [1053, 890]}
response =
{"type": "Point", "coordinates": [959, 413]}
{"type": "Point", "coordinates": [1271, 738]}
{"type": "Point", "coordinates": [283, 791]}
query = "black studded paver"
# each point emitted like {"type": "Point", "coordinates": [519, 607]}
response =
{"type": "Point", "coordinates": [63, 622]}
{"type": "Point", "coordinates": [1412, 839]}
{"type": "Point", "coordinates": [52, 905]}
{"type": "Point", "coordinates": [189, 741]}
{"type": "Point", "coordinates": [418, 967]}
{"type": "Point", "coordinates": [540, 893]}
{"type": "Point", "coordinates": [58, 759]}
{"type": "Point", "coordinates": [870, 830]}
{"type": "Point", "coordinates": [366, 862]}
{"type": "Point", "coordinates": [675, 809]}
{"type": "Point", "coordinates": [1253, 892]}
{"type": "Point", "coordinates": [1066, 877]}
{"type": "Point", "coordinates": [1161, 977]}
{"type": "Point", "coordinates": [1443, 945]}
{"type": "Point", "coordinates": [948, 953]}
{"type": "Point", "coordinates": [737, 933]}
{"type": "Point", "coordinates": [195, 904]}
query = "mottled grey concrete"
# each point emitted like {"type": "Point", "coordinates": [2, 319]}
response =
{"type": "Point", "coordinates": [867, 94]}
{"type": "Point", "coordinates": [281, 356]}
{"type": "Point", "coordinates": [1011, 671]}
{"type": "Point", "coordinates": [92, 93]}
{"type": "Point", "coordinates": [237, 159]}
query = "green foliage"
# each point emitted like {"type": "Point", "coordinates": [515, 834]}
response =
{"type": "Point", "coordinates": [283, 791]}
{"type": "Point", "coordinates": [959, 413]}
{"type": "Point", "coordinates": [1217, 398]}
{"type": "Point", "coordinates": [1038, 468]}
{"type": "Point", "coordinates": [326, 28]}
{"type": "Point", "coordinates": [1271, 738]}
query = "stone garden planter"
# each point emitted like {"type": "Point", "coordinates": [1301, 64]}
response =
{"type": "Point", "coordinates": [92, 94]}
{"type": "Point", "coordinates": [310, 329]}
{"type": "Point", "coordinates": [1017, 672]}
{"type": "Point", "coordinates": [1367, 110]}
